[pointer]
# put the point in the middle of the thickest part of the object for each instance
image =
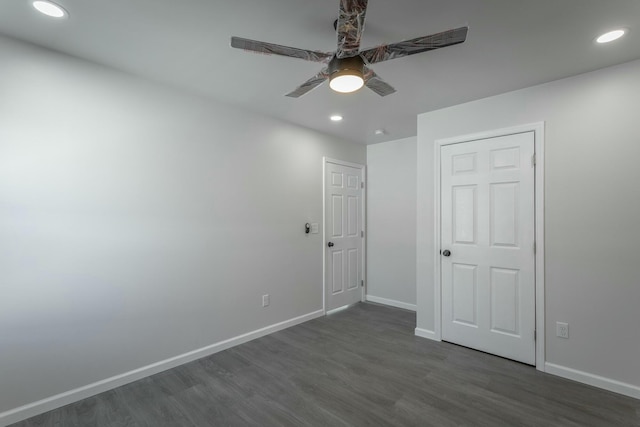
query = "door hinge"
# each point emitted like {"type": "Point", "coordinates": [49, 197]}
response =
{"type": "Point", "coordinates": [362, 283]}
{"type": "Point", "coordinates": [362, 234]}
{"type": "Point", "coordinates": [534, 248]}
{"type": "Point", "coordinates": [533, 161]}
{"type": "Point", "coordinates": [361, 184]}
{"type": "Point", "coordinates": [535, 335]}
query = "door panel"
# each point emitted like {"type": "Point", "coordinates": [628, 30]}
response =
{"type": "Point", "coordinates": [353, 230]}
{"type": "Point", "coordinates": [337, 272]}
{"type": "Point", "coordinates": [336, 215]}
{"type": "Point", "coordinates": [343, 195]}
{"type": "Point", "coordinates": [354, 263]}
{"type": "Point", "coordinates": [488, 281]}
{"type": "Point", "coordinates": [336, 179]}
{"type": "Point", "coordinates": [353, 182]}
{"type": "Point", "coordinates": [504, 301]}
{"type": "Point", "coordinates": [465, 212]}
{"type": "Point", "coordinates": [465, 294]}
{"type": "Point", "coordinates": [504, 214]}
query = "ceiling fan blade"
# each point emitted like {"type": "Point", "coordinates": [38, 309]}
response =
{"type": "Point", "coordinates": [413, 46]}
{"type": "Point", "coordinates": [276, 49]}
{"type": "Point", "coordinates": [310, 84]}
{"type": "Point", "coordinates": [350, 27]}
{"type": "Point", "coordinates": [376, 84]}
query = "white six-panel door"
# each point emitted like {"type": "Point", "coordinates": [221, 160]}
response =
{"type": "Point", "coordinates": [343, 232]}
{"type": "Point", "coordinates": [487, 225]}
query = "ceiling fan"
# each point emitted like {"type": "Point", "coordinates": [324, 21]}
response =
{"type": "Point", "coordinates": [348, 67]}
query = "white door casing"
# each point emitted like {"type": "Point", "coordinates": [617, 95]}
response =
{"type": "Point", "coordinates": [344, 234]}
{"type": "Point", "coordinates": [488, 225]}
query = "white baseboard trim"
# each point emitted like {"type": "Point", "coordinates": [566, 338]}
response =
{"type": "Point", "coordinates": [593, 380]}
{"type": "Point", "coordinates": [343, 308]}
{"type": "Point", "coordinates": [425, 333]}
{"type": "Point", "coordinates": [32, 409]}
{"type": "Point", "coordinates": [392, 303]}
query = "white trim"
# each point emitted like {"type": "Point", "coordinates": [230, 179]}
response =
{"type": "Point", "coordinates": [339, 309]}
{"type": "Point", "coordinates": [437, 297]}
{"type": "Point", "coordinates": [32, 409]}
{"type": "Point", "coordinates": [538, 131]}
{"type": "Point", "coordinates": [342, 163]}
{"type": "Point", "coordinates": [594, 380]}
{"type": "Point", "coordinates": [325, 160]}
{"type": "Point", "coordinates": [425, 333]}
{"type": "Point", "coordinates": [363, 171]}
{"type": "Point", "coordinates": [392, 303]}
{"type": "Point", "coordinates": [364, 229]}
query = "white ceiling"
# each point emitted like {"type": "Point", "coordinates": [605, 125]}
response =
{"type": "Point", "coordinates": [511, 44]}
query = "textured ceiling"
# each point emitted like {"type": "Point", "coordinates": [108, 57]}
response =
{"type": "Point", "coordinates": [511, 44]}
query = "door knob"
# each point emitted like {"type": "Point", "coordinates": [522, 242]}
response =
{"type": "Point", "coordinates": [330, 244]}
{"type": "Point", "coordinates": [446, 252]}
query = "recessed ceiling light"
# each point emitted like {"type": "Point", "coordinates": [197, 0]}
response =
{"type": "Point", "coordinates": [611, 36]}
{"type": "Point", "coordinates": [336, 118]}
{"type": "Point", "coordinates": [380, 132]}
{"type": "Point", "coordinates": [50, 9]}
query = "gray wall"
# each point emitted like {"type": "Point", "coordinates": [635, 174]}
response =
{"type": "Point", "coordinates": [592, 239]}
{"type": "Point", "coordinates": [138, 223]}
{"type": "Point", "coordinates": [391, 222]}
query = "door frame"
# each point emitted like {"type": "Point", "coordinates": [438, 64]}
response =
{"type": "Point", "coordinates": [363, 219]}
{"type": "Point", "coordinates": [538, 130]}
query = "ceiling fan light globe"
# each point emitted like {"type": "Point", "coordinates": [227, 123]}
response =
{"type": "Point", "coordinates": [346, 83]}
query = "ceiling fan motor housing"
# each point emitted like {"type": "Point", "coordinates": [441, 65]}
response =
{"type": "Point", "coordinates": [346, 66]}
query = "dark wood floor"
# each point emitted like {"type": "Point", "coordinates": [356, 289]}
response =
{"type": "Point", "coordinates": [360, 367]}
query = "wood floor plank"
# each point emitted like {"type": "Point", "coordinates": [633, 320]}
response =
{"type": "Point", "coordinates": [359, 367]}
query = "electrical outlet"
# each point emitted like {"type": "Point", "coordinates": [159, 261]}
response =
{"type": "Point", "coordinates": [265, 300]}
{"type": "Point", "coordinates": [562, 330]}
